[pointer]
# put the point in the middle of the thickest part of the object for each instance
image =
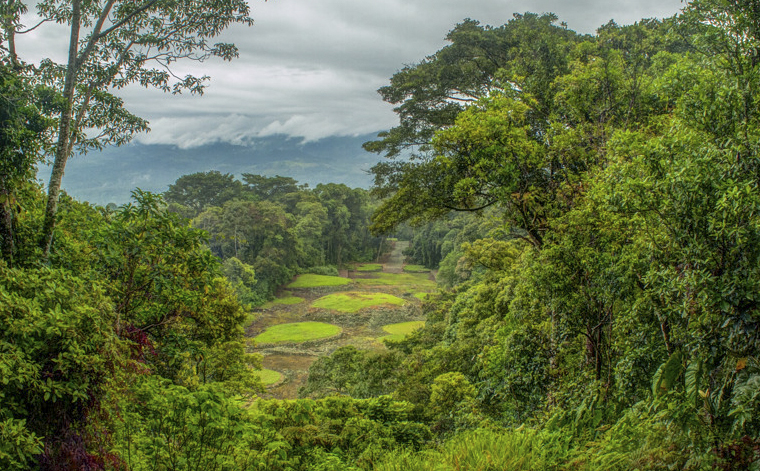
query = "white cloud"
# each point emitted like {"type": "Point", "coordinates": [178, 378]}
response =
{"type": "Point", "coordinates": [311, 69]}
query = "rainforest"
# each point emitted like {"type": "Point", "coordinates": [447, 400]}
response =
{"type": "Point", "coordinates": [557, 267]}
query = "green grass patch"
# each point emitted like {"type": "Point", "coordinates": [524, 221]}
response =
{"type": "Point", "coordinates": [369, 267]}
{"type": "Point", "coordinates": [401, 330]}
{"type": "Point", "coordinates": [298, 332]}
{"type": "Point", "coordinates": [268, 377]}
{"type": "Point", "coordinates": [409, 281]}
{"type": "Point", "coordinates": [421, 296]}
{"type": "Point", "coordinates": [287, 300]}
{"type": "Point", "coordinates": [354, 302]}
{"type": "Point", "coordinates": [416, 269]}
{"type": "Point", "coordinates": [314, 281]}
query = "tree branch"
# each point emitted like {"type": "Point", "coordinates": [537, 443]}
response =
{"type": "Point", "coordinates": [127, 18]}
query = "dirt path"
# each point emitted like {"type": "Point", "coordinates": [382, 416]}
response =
{"type": "Point", "coordinates": [395, 261]}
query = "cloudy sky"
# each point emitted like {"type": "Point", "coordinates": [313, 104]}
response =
{"type": "Point", "coordinates": [311, 68]}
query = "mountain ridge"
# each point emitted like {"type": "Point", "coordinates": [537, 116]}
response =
{"type": "Point", "coordinates": [109, 176]}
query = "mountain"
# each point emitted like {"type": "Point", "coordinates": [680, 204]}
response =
{"type": "Point", "coordinates": [109, 176]}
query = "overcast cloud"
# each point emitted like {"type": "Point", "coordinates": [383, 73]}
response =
{"type": "Point", "coordinates": [311, 68]}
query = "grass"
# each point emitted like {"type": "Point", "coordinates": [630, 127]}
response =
{"type": "Point", "coordinates": [369, 267]}
{"type": "Point", "coordinates": [288, 300]}
{"type": "Point", "coordinates": [298, 332]}
{"type": "Point", "coordinates": [268, 377]}
{"type": "Point", "coordinates": [416, 269]}
{"type": "Point", "coordinates": [421, 296]}
{"type": "Point", "coordinates": [410, 281]}
{"type": "Point", "coordinates": [285, 299]}
{"type": "Point", "coordinates": [314, 281]}
{"type": "Point", "coordinates": [355, 302]}
{"type": "Point", "coordinates": [401, 330]}
{"type": "Point", "coordinates": [477, 450]}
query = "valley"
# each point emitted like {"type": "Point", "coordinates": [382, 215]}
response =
{"type": "Point", "coordinates": [361, 325]}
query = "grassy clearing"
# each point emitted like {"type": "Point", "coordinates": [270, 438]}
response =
{"type": "Point", "coordinates": [288, 300]}
{"type": "Point", "coordinates": [268, 377]}
{"type": "Point", "coordinates": [315, 281]}
{"type": "Point", "coordinates": [369, 267]}
{"type": "Point", "coordinates": [354, 302]}
{"type": "Point", "coordinates": [409, 281]}
{"type": "Point", "coordinates": [416, 269]}
{"type": "Point", "coordinates": [421, 296]}
{"type": "Point", "coordinates": [298, 332]}
{"type": "Point", "coordinates": [401, 330]}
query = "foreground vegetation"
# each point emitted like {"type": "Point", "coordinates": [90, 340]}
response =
{"type": "Point", "coordinates": [601, 306]}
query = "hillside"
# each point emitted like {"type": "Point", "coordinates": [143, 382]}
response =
{"type": "Point", "coordinates": [109, 176]}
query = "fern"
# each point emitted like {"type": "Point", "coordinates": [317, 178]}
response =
{"type": "Point", "coordinates": [667, 374]}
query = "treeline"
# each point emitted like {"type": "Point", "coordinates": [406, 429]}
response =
{"type": "Point", "coordinates": [276, 227]}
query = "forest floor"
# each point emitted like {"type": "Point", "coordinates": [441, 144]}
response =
{"type": "Point", "coordinates": [362, 329]}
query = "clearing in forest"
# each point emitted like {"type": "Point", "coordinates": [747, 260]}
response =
{"type": "Point", "coordinates": [354, 301]}
{"type": "Point", "coordinates": [359, 308]}
{"type": "Point", "coordinates": [297, 332]}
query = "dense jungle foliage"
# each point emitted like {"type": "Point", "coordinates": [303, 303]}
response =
{"type": "Point", "coordinates": [274, 227]}
{"type": "Point", "coordinates": [599, 308]}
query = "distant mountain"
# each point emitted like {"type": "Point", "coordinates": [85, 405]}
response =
{"type": "Point", "coordinates": [109, 176]}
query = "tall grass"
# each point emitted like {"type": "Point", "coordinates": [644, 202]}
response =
{"type": "Point", "coordinates": [477, 450]}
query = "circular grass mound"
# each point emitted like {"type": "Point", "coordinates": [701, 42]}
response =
{"type": "Point", "coordinates": [354, 302]}
{"type": "Point", "coordinates": [401, 330]}
{"type": "Point", "coordinates": [298, 332]}
{"type": "Point", "coordinates": [268, 377]}
{"type": "Point", "coordinates": [310, 280]}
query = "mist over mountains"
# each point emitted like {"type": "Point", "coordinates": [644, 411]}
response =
{"type": "Point", "coordinates": [109, 176]}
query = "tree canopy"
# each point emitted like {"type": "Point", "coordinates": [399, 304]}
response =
{"type": "Point", "coordinates": [113, 44]}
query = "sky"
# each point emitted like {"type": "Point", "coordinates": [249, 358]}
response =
{"type": "Point", "coordinates": [311, 69]}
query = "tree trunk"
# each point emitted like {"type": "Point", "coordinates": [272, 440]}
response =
{"type": "Point", "coordinates": [63, 147]}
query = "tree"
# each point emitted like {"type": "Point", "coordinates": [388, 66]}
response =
{"type": "Point", "coordinates": [202, 189]}
{"type": "Point", "coordinates": [525, 54]}
{"type": "Point", "coordinates": [113, 44]}
{"type": "Point", "coordinates": [58, 354]}
{"type": "Point", "coordinates": [270, 188]}
{"type": "Point", "coordinates": [21, 142]}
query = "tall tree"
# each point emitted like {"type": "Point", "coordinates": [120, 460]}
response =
{"type": "Point", "coordinates": [202, 189]}
{"type": "Point", "coordinates": [21, 141]}
{"type": "Point", "coordinates": [113, 44]}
